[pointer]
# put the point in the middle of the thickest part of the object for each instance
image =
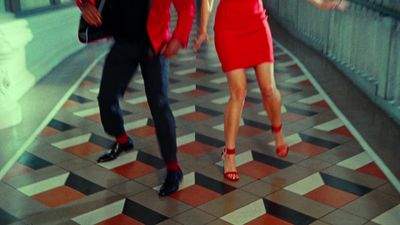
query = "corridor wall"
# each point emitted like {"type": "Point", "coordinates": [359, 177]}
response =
{"type": "Point", "coordinates": [363, 41]}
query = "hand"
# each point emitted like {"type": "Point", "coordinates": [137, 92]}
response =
{"type": "Point", "coordinates": [171, 48]}
{"type": "Point", "coordinates": [90, 14]}
{"type": "Point", "coordinates": [201, 37]}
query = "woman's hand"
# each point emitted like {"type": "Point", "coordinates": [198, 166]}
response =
{"type": "Point", "coordinates": [330, 4]}
{"type": "Point", "coordinates": [201, 37]}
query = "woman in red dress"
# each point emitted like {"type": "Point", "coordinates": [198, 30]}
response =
{"type": "Point", "coordinates": [243, 40]}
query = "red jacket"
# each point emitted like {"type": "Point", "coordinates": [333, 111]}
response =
{"type": "Point", "coordinates": [158, 22]}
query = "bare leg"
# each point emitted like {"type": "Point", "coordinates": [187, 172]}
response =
{"type": "Point", "coordinates": [272, 101]}
{"type": "Point", "coordinates": [237, 90]}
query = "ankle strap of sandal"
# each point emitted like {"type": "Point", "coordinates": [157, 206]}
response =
{"type": "Point", "coordinates": [276, 129]}
{"type": "Point", "coordinates": [229, 151]}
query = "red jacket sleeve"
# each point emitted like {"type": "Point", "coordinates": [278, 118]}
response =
{"type": "Point", "coordinates": [185, 10]}
{"type": "Point", "coordinates": [79, 2]}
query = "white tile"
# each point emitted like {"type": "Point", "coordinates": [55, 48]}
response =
{"type": "Point", "coordinates": [139, 81]}
{"type": "Point", "coordinates": [182, 140]}
{"type": "Point", "coordinates": [246, 213]}
{"type": "Point", "coordinates": [222, 100]}
{"type": "Point", "coordinates": [219, 80]}
{"type": "Point", "coordinates": [87, 112]}
{"type": "Point", "coordinates": [101, 214]}
{"type": "Point", "coordinates": [220, 127]}
{"type": "Point", "coordinates": [72, 141]}
{"type": "Point", "coordinates": [183, 111]}
{"type": "Point", "coordinates": [356, 161]}
{"type": "Point", "coordinates": [330, 125]}
{"type": "Point", "coordinates": [137, 100]}
{"type": "Point", "coordinates": [297, 79]}
{"type": "Point", "coordinates": [94, 90]}
{"type": "Point", "coordinates": [184, 72]}
{"type": "Point", "coordinates": [44, 185]}
{"type": "Point", "coordinates": [306, 185]}
{"type": "Point", "coordinates": [136, 124]}
{"type": "Point", "coordinates": [390, 217]}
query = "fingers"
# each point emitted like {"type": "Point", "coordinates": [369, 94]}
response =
{"type": "Point", "coordinates": [91, 15]}
{"type": "Point", "coordinates": [343, 5]}
{"type": "Point", "coordinates": [199, 41]}
{"type": "Point", "coordinates": [171, 49]}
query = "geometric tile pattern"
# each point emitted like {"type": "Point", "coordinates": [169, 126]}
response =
{"type": "Point", "coordinates": [328, 189]}
{"type": "Point", "coordinates": [327, 175]}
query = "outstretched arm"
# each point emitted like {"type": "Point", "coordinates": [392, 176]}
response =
{"type": "Point", "coordinates": [330, 4]}
{"type": "Point", "coordinates": [206, 7]}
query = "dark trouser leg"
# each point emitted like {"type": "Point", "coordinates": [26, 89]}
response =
{"type": "Point", "coordinates": [155, 76]}
{"type": "Point", "coordinates": [119, 67]}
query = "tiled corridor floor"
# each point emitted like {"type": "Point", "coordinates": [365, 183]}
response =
{"type": "Point", "coordinates": [326, 179]}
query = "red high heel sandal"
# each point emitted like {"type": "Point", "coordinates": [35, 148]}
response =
{"type": "Point", "coordinates": [230, 175]}
{"type": "Point", "coordinates": [283, 150]}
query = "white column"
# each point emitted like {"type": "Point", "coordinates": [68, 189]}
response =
{"type": "Point", "coordinates": [15, 79]}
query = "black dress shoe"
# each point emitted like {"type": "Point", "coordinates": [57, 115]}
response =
{"type": "Point", "coordinates": [115, 151]}
{"type": "Point", "coordinates": [171, 183]}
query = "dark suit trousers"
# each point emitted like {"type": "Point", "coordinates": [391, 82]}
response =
{"type": "Point", "coordinates": [121, 64]}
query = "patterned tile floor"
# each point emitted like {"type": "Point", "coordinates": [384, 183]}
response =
{"type": "Point", "coordinates": [326, 179]}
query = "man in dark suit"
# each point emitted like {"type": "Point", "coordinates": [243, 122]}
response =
{"type": "Point", "coordinates": [140, 29]}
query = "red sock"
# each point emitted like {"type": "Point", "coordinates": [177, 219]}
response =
{"type": "Point", "coordinates": [122, 139]}
{"type": "Point", "coordinates": [172, 166]}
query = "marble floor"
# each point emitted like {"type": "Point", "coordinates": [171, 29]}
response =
{"type": "Point", "coordinates": [328, 178]}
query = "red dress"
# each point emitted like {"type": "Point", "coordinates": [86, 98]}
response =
{"type": "Point", "coordinates": [242, 35]}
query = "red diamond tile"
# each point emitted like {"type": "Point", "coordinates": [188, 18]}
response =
{"type": "Point", "coordinates": [372, 169]}
{"type": "Point", "coordinates": [58, 196]}
{"type": "Point", "coordinates": [195, 148]}
{"type": "Point", "coordinates": [16, 170]}
{"type": "Point", "coordinates": [85, 83]}
{"type": "Point", "coordinates": [143, 132]}
{"type": "Point", "coordinates": [195, 195]}
{"type": "Point", "coordinates": [134, 170]}
{"type": "Point", "coordinates": [342, 131]}
{"type": "Point", "coordinates": [306, 83]}
{"type": "Point", "coordinates": [70, 103]}
{"type": "Point", "coordinates": [96, 118]}
{"type": "Point", "coordinates": [268, 219]}
{"type": "Point", "coordinates": [84, 149]}
{"type": "Point", "coordinates": [197, 74]}
{"type": "Point", "coordinates": [195, 117]}
{"type": "Point", "coordinates": [257, 169]}
{"type": "Point", "coordinates": [248, 131]}
{"type": "Point", "coordinates": [292, 117]}
{"type": "Point", "coordinates": [283, 58]}
{"type": "Point", "coordinates": [120, 219]}
{"type": "Point", "coordinates": [196, 93]}
{"type": "Point", "coordinates": [49, 131]}
{"type": "Point", "coordinates": [145, 105]}
{"type": "Point", "coordinates": [307, 149]}
{"type": "Point", "coordinates": [331, 196]}
{"type": "Point", "coordinates": [322, 104]}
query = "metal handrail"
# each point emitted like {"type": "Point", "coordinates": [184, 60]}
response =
{"type": "Point", "coordinates": [381, 9]}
